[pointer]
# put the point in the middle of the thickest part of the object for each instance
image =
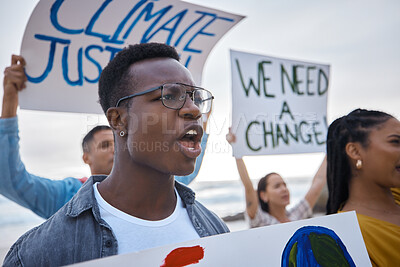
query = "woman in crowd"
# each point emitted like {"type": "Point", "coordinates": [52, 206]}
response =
{"type": "Point", "coordinates": [363, 151]}
{"type": "Point", "coordinates": [267, 205]}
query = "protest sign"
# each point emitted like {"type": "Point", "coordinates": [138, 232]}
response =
{"type": "Point", "coordinates": [67, 44]}
{"type": "Point", "coordinates": [278, 105]}
{"type": "Point", "coordinates": [336, 238]}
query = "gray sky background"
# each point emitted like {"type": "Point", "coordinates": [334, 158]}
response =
{"type": "Point", "coordinates": [359, 39]}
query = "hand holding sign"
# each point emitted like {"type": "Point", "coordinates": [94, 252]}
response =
{"type": "Point", "coordinates": [230, 137]}
{"type": "Point", "coordinates": [14, 81]}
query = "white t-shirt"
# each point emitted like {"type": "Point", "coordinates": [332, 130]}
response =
{"type": "Point", "coordinates": [135, 234]}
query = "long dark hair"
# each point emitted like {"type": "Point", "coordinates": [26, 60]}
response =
{"type": "Point", "coordinates": [262, 187]}
{"type": "Point", "coordinates": [355, 127]}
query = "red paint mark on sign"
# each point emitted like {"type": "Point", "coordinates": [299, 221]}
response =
{"type": "Point", "coordinates": [183, 256]}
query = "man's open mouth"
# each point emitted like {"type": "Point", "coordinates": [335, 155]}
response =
{"type": "Point", "coordinates": [190, 141]}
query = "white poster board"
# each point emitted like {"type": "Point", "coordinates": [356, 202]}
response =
{"type": "Point", "coordinates": [278, 105]}
{"type": "Point", "coordinates": [339, 234]}
{"type": "Point", "coordinates": [66, 44]}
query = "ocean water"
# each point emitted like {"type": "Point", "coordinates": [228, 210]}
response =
{"type": "Point", "coordinates": [222, 197]}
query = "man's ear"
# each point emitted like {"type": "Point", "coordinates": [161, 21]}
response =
{"type": "Point", "coordinates": [85, 158]}
{"type": "Point", "coordinates": [353, 151]}
{"type": "Point", "coordinates": [117, 118]}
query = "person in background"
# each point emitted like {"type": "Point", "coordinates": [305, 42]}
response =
{"type": "Point", "coordinates": [41, 195]}
{"type": "Point", "coordinates": [363, 150]}
{"type": "Point", "coordinates": [139, 205]}
{"type": "Point", "coordinates": [267, 205]}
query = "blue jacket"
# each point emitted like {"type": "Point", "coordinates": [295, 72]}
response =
{"type": "Point", "coordinates": [77, 232]}
{"type": "Point", "coordinates": [41, 195]}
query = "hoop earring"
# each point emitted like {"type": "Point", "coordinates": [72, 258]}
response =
{"type": "Point", "coordinates": [121, 133]}
{"type": "Point", "coordinates": [359, 164]}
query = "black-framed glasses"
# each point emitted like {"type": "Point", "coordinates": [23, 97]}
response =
{"type": "Point", "coordinates": [173, 96]}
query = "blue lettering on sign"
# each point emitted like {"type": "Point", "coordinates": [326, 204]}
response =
{"type": "Point", "coordinates": [201, 31]}
{"type": "Point", "coordinates": [54, 20]}
{"type": "Point", "coordinates": [53, 42]}
{"type": "Point", "coordinates": [65, 67]}
{"type": "Point", "coordinates": [146, 12]}
{"type": "Point", "coordinates": [96, 15]}
{"type": "Point", "coordinates": [178, 17]}
{"type": "Point", "coordinates": [91, 59]}
{"type": "Point", "coordinates": [148, 17]}
{"type": "Point", "coordinates": [187, 61]}
{"type": "Point", "coordinates": [114, 38]}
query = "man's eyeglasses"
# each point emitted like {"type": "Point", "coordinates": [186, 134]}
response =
{"type": "Point", "coordinates": [173, 96]}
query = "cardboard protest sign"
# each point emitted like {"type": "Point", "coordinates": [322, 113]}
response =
{"type": "Point", "coordinates": [278, 105]}
{"type": "Point", "coordinates": [310, 242]}
{"type": "Point", "coordinates": [67, 44]}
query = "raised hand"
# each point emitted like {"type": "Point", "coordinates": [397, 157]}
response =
{"type": "Point", "coordinates": [14, 81]}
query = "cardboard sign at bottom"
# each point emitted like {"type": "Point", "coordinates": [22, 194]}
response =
{"type": "Point", "coordinates": [334, 237]}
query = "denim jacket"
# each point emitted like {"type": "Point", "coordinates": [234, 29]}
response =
{"type": "Point", "coordinates": [41, 195]}
{"type": "Point", "coordinates": [77, 233]}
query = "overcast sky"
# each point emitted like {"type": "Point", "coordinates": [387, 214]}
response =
{"type": "Point", "coordinates": [359, 39]}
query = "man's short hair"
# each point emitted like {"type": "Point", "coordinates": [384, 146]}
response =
{"type": "Point", "coordinates": [115, 81]}
{"type": "Point", "coordinates": [89, 136]}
